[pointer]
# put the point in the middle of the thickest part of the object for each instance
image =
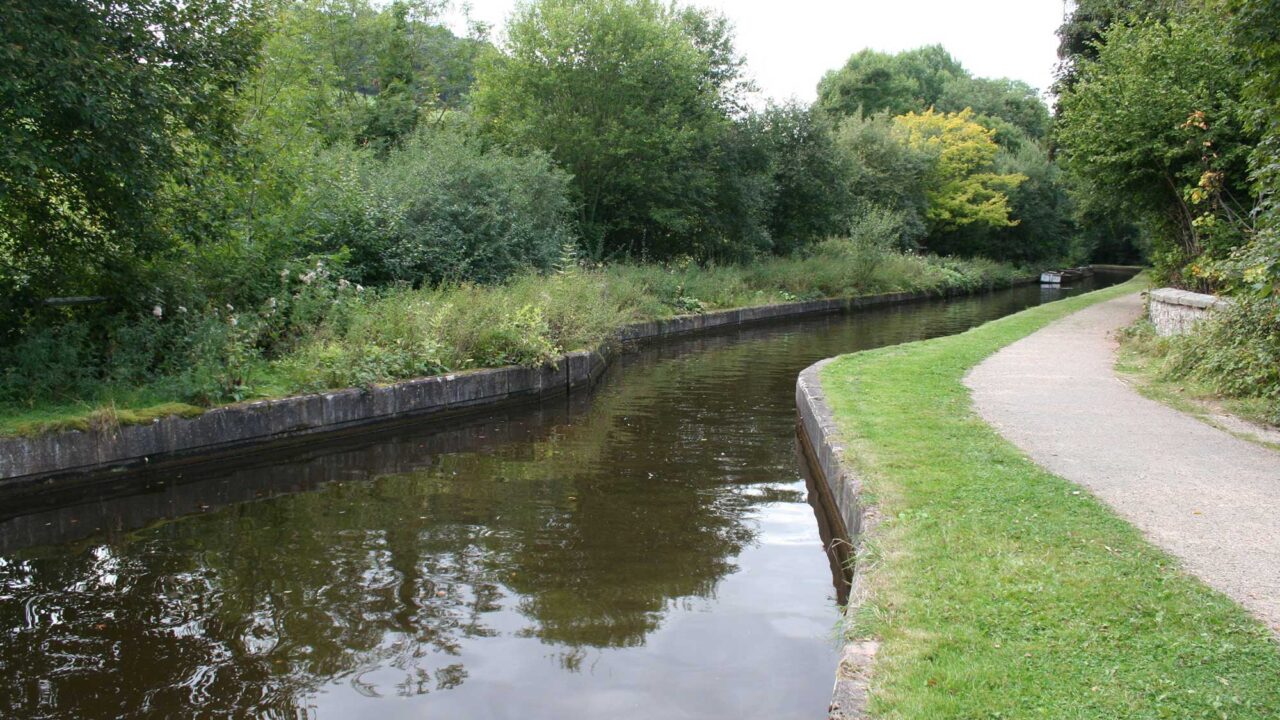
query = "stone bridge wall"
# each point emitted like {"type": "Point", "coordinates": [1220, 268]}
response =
{"type": "Point", "coordinates": [1174, 312]}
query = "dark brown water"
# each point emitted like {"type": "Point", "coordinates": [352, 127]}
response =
{"type": "Point", "coordinates": [643, 552]}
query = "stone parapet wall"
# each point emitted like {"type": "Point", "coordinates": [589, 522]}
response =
{"type": "Point", "coordinates": [1174, 312]}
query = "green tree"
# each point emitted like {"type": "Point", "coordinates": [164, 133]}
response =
{"type": "Point", "coordinates": [811, 194]}
{"type": "Point", "coordinates": [1011, 101]}
{"type": "Point", "coordinates": [924, 78]}
{"type": "Point", "coordinates": [1044, 232]}
{"type": "Point", "coordinates": [1255, 30]}
{"type": "Point", "coordinates": [335, 75]}
{"type": "Point", "coordinates": [1082, 31]}
{"type": "Point", "coordinates": [884, 174]}
{"type": "Point", "coordinates": [872, 81]}
{"type": "Point", "coordinates": [631, 97]}
{"type": "Point", "coordinates": [1153, 128]}
{"type": "Point", "coordinates": [102, 105]}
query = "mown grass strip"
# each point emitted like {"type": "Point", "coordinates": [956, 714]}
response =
{"type": "Point", "coordinates": [999, 590]}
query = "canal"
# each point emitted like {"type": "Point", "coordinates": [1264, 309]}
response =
{"type": "Point", "coordinates": [646, 550]}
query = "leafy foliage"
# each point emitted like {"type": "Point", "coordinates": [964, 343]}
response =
{"type": "Point", "coordinates": [1039, 225]}
{"type": "Point", "coordinates": [442, 207]}
{"type": "Point", "coordinates": [923, 79]}
{"type": "Point", "coordinates": [102, 105]}
{"type": "Point", "coordinates": [961, 184]}
{"type": "Point", "coordinates": [320, 331]}
{"type": "Point", "coordinates": [1235, 355]}
{"type": "Point", "coordinates": [1152, 126]}
{"type": "Point", "coordinates": [1257, 264]}
{"type": "Point", "coordinates": [1082, 32]}
{"type": "Point", "coordinates": [630, 98]}
{"type": "Point", "coordinates": [810, 198]}
{"type": "Point", "coordinates": [230, 196]}
{"type": "Point", "coordinates": [884, 173]}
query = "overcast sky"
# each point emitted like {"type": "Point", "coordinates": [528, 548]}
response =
{"type": "Point", "coordinates": [789, 44]}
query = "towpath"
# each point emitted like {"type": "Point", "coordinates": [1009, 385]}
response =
{"type": "Point", "coordinates": [1205, 496]}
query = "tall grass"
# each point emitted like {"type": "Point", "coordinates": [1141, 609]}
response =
{"type": "Point", "coordinates": [378, 337]}
{"type": "Point", "coordinates": [1233, 356]}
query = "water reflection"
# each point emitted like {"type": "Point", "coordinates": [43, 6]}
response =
{"type": "Point", "coordinates": [647, 553]}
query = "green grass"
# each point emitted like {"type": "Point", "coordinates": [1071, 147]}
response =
{"type": "Point", "coordinates": [999, 590]}
{"type": "Point", "coordinates": [346, 339]}
{"type": "Point", "coordinates": [101, 417]}
{"type": "Point", "coordinates": [1142, 359]}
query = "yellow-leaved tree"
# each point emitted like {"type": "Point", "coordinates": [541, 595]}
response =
{"type": "Point", "coordinates": [962, 185]}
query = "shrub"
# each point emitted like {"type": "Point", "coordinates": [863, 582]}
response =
{"type": "Point", "coordinates": [52, 363]}
{"type": "Point", "coordinates": [319, 331]}
{"type": "Point", "coordinates": [884, 172]}
{"type": "Point", "coordinates": [1236, 353]}
{"type": "Point", "coordinates": [442, 208]}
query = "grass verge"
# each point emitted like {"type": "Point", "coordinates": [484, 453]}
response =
{"type": "Point", "coordinates": [1142, 359]}
{"type": "Point", "coordinates": [999, 590]}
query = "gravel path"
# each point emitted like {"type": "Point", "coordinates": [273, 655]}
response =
{"type": "Point", "coordinates": [1207, 497]}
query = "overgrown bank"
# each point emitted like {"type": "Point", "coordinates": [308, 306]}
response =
{"type": "Point", "coordinates": [1000, 590]}
{"type": "Point", "coordinates": [320, 332]}
{"type": "Point", "coordinates": [1232, 359]}
{"type": "Point", "coordinates": [227, 182]}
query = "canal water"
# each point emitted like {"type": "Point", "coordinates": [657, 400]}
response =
{"type": "Point", "coordinates": [644, 551]}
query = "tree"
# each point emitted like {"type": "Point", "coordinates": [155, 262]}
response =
{"type": "Point", "coordinates": [1044, 230]}
{"type": "Point", "coordinates": [1254, 29]}
{"type": "Point", "coordinates": [1153, 127]}
{"type": "Point", "coordinates": [1011, 101]}
{"type": "Point", "coordinates": [811, 197]}
{"type": "Point", "coordinates": [1083, 29]}
{"type": "Point", "coordinates": [962, 186]}
{"type": "Point", "coordinates": [884, 174]}
{"type": "Point", "coordinates": [631, 97]}
{"type": "Point", "coordinates": [335, 76]}
{"type": "Point", "coordinates": [101, 106]}
{"type": "Point", "coordinates": [872, 81]}
{"type": "Point", "coordinates": [924, 78]}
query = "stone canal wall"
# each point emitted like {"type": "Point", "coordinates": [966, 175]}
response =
{"type": "Point", "coordinates": [1174, 312]}
{"type": "Point", "coordinates": [28, 463]}
{"type": "Point", "coordinates": [841, 491]}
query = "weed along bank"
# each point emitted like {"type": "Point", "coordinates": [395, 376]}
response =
{"type": "Point", "coordinates": [72, 457]}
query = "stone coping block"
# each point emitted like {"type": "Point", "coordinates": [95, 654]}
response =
{"type": "Point", "coordinates": [1172, 296]}
{"type": "Point", "coordinates": [1175, 312]}
{"type": "Point", "coordinates": [842, 487]}
{"type": "Point", "coordinates": [28, 460]}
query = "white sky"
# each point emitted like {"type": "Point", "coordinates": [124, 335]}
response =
{"type": "Point", "coordinates": [789, 44]}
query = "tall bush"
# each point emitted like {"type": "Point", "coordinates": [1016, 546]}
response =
{"type": "Point", "coordinates": [443, 207]}
{"type": "Point", "coordinates": [884, 173]}
{"type": "Point", "coordinates": [1153, 127]}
